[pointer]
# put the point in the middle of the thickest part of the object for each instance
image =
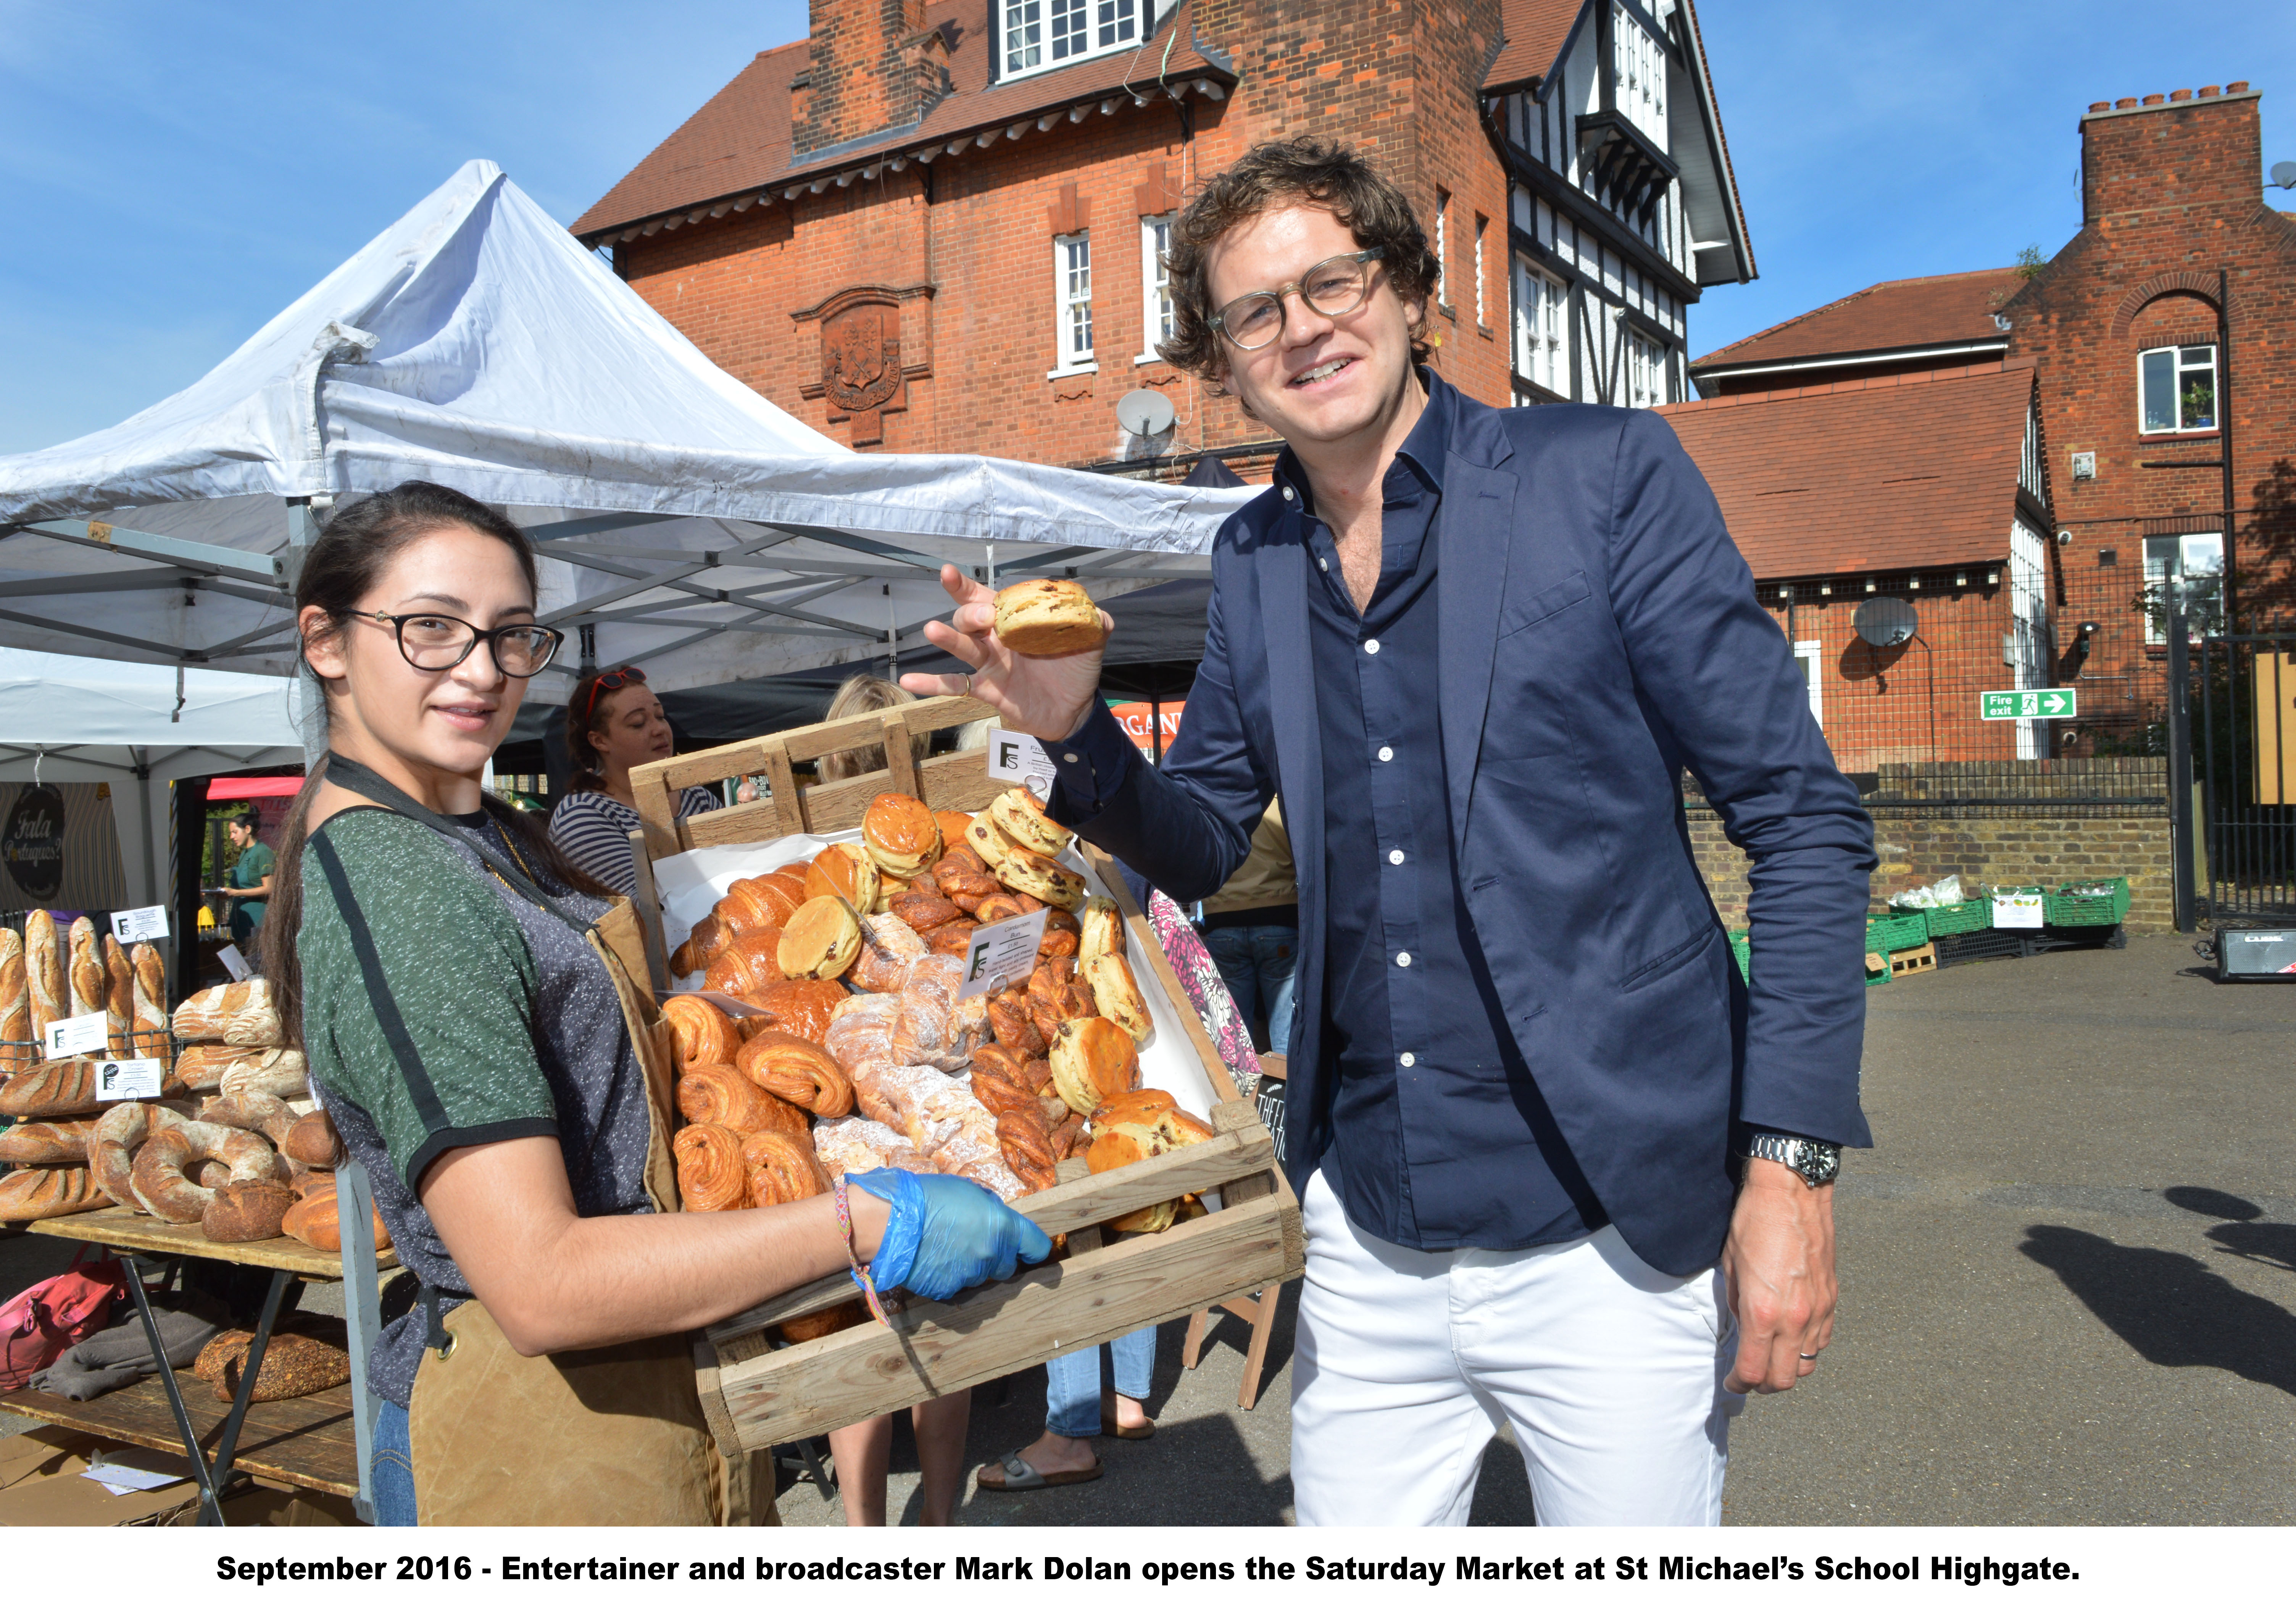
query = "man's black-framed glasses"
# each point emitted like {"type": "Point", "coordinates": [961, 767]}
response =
{"type": "Point", "coordinates": [1335, 287]}
{"type": "Point", "coordinates": [434, 643]}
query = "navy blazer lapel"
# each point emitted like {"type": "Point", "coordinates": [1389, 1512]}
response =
{"type": "Point", "coordinates": [1292, 689]}
{"type": "Point", "coordinates": [1475, 529]}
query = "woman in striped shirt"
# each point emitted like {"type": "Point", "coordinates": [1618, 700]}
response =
{"type": "Point", "coordinates": [613, 724]}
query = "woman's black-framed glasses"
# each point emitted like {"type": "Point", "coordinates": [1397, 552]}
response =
{"type": "Point", "coordinates": [1335, 287]}
{"type": "Point", "coordinates": [434, 643]}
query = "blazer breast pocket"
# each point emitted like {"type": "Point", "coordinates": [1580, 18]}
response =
{"type": "Point", "coordinates": [1554, 598]}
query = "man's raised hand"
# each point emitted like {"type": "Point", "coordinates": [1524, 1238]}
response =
{"type": "Point", "coordinates": [1046, 697]}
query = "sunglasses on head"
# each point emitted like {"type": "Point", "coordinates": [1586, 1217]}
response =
{"type": "Point", "coordinates": [614, 681]}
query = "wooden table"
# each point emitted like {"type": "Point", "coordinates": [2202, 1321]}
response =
{"type": "Point", "coordinates": [318, 1442]}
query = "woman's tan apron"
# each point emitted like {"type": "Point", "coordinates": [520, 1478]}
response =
{"type": "Point", "coordinates": [633, 1435]}
{"type": "Point", "coordinates": [626, 1436]}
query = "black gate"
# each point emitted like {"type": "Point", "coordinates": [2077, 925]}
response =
{"type": "Point", "coordinates": [2244, 724]}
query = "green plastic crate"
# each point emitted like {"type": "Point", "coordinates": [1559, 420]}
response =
{"type": "Point", "coordinates": [1907, 929]}
{"type": "Point", "coordinates": [1741, 952]}
{"type": "Point", "coordinates": [2104, 910]}
{"type": "Point", "coordinates": [1877, 975]}
{"type": "Point", "coordinates": [1945, 920]}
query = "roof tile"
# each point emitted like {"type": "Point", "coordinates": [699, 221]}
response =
{"type": "Point", "coordinates": [1534, 31]}
{"type": "Point", "coordinates": [1887, 316]}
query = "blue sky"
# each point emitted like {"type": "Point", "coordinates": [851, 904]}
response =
{"type": "Point", "coordinates": [176, 174]}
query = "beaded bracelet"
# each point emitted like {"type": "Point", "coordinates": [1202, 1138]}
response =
{"type": "Point", "coordinates": [859, 1270]}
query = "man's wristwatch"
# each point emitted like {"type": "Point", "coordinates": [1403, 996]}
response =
{"type": "Point", "coordinates": [1818, 1162]}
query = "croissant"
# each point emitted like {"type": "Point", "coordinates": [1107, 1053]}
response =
{"type": "Point", "coordinates": [702, 945]}
{"type": "Point", "coordinates": [722, 1096]}
{"type": "Point", "coordinates": [756, 902]}
{"type": "Point", "coordinates": [704, 1034]}
{"type": "Point", "coordinates": [783, 1168]}
{"type": "Point", "coordinates": [712, 1177]}
{"type": "Point", "coordinates": [800, 1071]}
{"type": "Point", "coordinates": [802, 1006]}
{"type": "Point", "coordinates": [746, 967]}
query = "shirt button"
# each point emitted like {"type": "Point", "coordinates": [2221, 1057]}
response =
{"type": "Point", "coordinates": [1324, 563]}
{"type": "Point", "coordinates": [1387, 755]}
{"type": "Point", "coordinates": [1408, 1059]}
{"type": "Point", "coordinates": [1371, 647]}
{"type": "Point", "coordinates": [1395, 856]}
{"type": "Point", "coordinates": [1288, 494]}
{"type": "Point", "coordinates": [1404, 959]}
{"type": "Point", "coordinates": [1070, 756]}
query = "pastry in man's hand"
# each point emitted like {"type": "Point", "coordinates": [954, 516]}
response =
{"type": "Point", "coordinates": [1048, 618]}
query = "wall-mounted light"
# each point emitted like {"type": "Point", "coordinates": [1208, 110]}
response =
{"type": "Point", "coordinates": [1869, 586]}
{"type": "Point", "coordinates": [1825, 589]}
{"type": "Point", "coordinates": [1961, 581]}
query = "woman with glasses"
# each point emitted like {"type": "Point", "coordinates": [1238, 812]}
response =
{"type": "Point", "coordinates": [465, 1004]}
{"type": "Point", "coordinates": [612, 725]}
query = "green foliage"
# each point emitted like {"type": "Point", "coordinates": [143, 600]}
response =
{"type": "Point", "coordinates": [2030, 260]}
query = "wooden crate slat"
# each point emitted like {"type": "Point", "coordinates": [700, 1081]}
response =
{"type": "Point", "coordinates": [656, 812]}
{"type": "Point", "coordinates": [803, 744]}
{"type": "Point", "coordinates": [780, 776]}
{"type": "Point", "coordinates": [938, 1348]}
{"type": "Point", "coordinates": [953, 781]}
{"type": "Point", "coordinates": [1086, 1201]}
{"type": "Point", "coordinates": [901, 755]}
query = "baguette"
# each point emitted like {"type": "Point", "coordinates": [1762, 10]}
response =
{"type": "Point", "coordinates": [43, 971]}
{"type": "Point", "coordinates": [16, 1051]}
{"type": "Point", "coordinates": [227, 1069]}
{"type": "Point", "coordinates": [119, 1000]}
{"type": "Point", "coordinates": [232, 1012]}
{"type": "Point", "coordinates": [91, 990]}
{"type": "Point", "coordinates": [53, 1088]}
{"type": "Point", "coordinates": [149, 1033]}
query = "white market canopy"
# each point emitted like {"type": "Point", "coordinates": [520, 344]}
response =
{"type": "Point", "coordinates": [702, 531]}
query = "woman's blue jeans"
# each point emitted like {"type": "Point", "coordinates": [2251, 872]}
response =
{"type": "Point", "coordinates": [394, 1469]}
{"type": "Point", "coordinates": [1072, 1391]}
{"type": "Point", "coordinates": [1257, 963]}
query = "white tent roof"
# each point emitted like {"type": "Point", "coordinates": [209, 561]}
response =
{"type": "Point", "coordinates": [701, 531]}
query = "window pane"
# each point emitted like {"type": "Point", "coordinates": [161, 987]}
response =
{"type": "Point", "coordinates": [1115, 22]}
{"type": "Point", "coordinates": [2196, 389]}
{"type": "Point", "coordinates": [2160, 388]}
{"type": "Point", "coordinates": [1024, 43]}
{"type": "Point", "coordinates": [1068, 29]}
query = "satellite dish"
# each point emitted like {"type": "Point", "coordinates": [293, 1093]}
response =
{"type": "Point", "coordinates": [1143, 412]}
{"type": "Point", "coordinates": [2283, 175]}
{"type": "Point", "coordinates": [1884, 621]}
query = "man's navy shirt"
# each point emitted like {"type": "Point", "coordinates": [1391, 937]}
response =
{"type": "Point", "coordinates": [1439, 1137]}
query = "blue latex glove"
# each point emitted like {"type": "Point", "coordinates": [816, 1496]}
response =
{"type": "Point", "coordinates": [946, 1232]}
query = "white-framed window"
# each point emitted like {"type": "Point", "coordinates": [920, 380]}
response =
{"type": "Point", "coordinates": [1542, 352]}
{"type": "Point", "coordinates": [1483, 225]}
{"type": "Point", "coordinates": [1155, 285]}
{"type": "Point", "coordinates": [2196, 560]}
{"type": "Point", "coordinates": [2029, 629]}
{"type": "Point", "coordinates": [1442, 249]}
{"type": "Point", "coordinates": [1647, 372]}
{"type": "Point", "coordinates": [1810, 655]}
{"type": "Point", "coordinates": [1037, 35]}
{"type": "Point", "coordinates": [2177, 389]}
{"type": "Point", "coordinates": [1072, 301]}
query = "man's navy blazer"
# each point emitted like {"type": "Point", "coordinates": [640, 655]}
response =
{"type": "Point", "coordinates": [1599, 633]}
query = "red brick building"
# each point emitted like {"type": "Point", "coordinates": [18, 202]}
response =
{"type": "Point", "coordinates": [933, 225]}
{"type": "Point", "coordinates": [2015, 454]}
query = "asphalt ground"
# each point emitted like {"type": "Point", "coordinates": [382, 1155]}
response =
{"type": "Point", "coordinates": [2069, 1287]}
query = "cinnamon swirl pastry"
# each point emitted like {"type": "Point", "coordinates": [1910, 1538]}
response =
{"type": "Point", "coordinates": [704, 1034]}
{"type": "Point", "coordinates": [799, 1072]}
{"type": "Point", "coordinates": [711, 1175]}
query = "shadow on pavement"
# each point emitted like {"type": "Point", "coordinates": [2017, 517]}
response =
{"type": "Point", "coordinates": [2241, 1236]}
{"type": "Point", "coordinates": [2169, 1307]}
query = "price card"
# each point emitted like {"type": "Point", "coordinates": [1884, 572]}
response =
{"type": "Point", "coordinates": [128, 1080]}
{"type": "Point", "coordinates": [2020, 910]}
{"type": "Point", "coordinates": [1001, 954]}
{"type": "Point", "coordinates": [140, 925]}
{"type": "Point", "coordinates": [1020, 759]}
{"type": "Point", "coordinates": [76, 1036]}
{"type": "Point", "coordinates": [234, 962]}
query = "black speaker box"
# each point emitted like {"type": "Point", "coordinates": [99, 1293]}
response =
{"type": "Point", "coordinates": [2249, 954]}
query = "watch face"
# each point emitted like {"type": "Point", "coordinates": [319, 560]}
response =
{"type": "Point", "coordinates": [1817, 1162]}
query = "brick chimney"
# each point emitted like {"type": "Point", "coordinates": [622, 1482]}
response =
{"type": "Point", "coordinates": [2203, 151]}
{"type": "Point", "coordinates": [874, 66]}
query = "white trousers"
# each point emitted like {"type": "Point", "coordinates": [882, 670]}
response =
{"type": "Point", "coordinates": [1609, 1372]}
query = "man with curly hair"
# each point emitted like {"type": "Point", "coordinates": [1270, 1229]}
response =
{"type": "Point", "coordinates": [1560, 1169]}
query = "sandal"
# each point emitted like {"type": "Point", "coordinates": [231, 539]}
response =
{"type": "Point", "coordinates": [1140, 1434]}
{"type": "Point", "coordinates": [1014, 1475]}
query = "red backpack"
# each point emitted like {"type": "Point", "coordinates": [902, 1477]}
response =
{"type": "Point", "coordinates": [36, 1325]}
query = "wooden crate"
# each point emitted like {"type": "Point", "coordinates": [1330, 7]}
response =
{"type": "Point", "coordinates": [1907, 962]}
{"type": "Point", "coordinates": [1101, 1289]}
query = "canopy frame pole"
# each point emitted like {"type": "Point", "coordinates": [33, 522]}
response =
{"type": "Point", "coordinates": [310, 698]}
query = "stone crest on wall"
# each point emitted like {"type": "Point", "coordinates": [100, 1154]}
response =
{"type": "Point", "coordinates": [863, 367]}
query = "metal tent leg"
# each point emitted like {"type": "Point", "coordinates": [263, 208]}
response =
{"type": "Point", "coordinates": [361, 1314]}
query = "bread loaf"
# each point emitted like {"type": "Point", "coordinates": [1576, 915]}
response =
{"type": "Point", "coordinates": [90, 989]}
{"type": "Point", "coordinates": [114, 1140]}
{"type": "Point", "coordinates": [232, 1014]}
{"type": "Point", "coordinates": [53, 1088]}
{"type": "Point", "coordinates": [37, 1144]}
{"type": "Point", "coordinates": [207, 1069]}
{"type": "Point", "coordinates": [306, 1354]}
{"type": "Point", "coordinates": [246, 1211]}
{"type": "Point", "coordinates": [312, 1142]}
{"type": "Point", "coordinates": [43, 973]}
{"type": "Point", "coordinates": [158, 1176]}
{"type": "Point", "coordinates": [149, 1034]}
{"type": "Point", "coordinates": [17, 1050]}
{"type": "Point", "coordinates": [257, 1113]}
{"type": "Point", "coordinates": [317, 1221]}
{"type": "Point", "coordinates": [119, 1000]}
{"type": "Point", "coordinates": [49, 1193]}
